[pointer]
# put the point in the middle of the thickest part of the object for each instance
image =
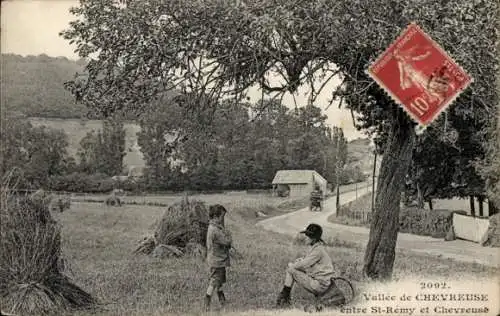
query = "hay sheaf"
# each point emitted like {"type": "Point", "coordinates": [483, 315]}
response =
{"type": "Point", "coordinates": [60, 203]}
{"type": "Point", "coordinates": [181, 230]}
{"type": "Point", "coordinates": [31, 279]}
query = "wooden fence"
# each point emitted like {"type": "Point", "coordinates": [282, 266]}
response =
{"type": "Point", "coordinates": [362, 216]}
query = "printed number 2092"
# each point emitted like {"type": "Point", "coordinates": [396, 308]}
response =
{"type": "Point", "coordinates": [434, 285]}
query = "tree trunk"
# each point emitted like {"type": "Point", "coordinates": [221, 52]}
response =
{"type": "Point", "coordinates": [420, 197]}
{"type": "Point", "coordinates": [430, 205]}
{"type": "Point", "coordinates": [480, 199]}
{"type": "Point", "coordinates": [338, 196]}
{"type": "Point", "coordinates": [373, 180]}
{"type": "Point", "coordinates": [472, 206]}
{"type": "Point", "coordinates": [381, 248]}
{"type": "Point", "coordinates": [492, 210]}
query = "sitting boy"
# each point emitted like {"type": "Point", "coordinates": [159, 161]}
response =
{"type": "Point", "coordinates": [313, 272]}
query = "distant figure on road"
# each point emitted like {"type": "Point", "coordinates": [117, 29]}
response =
{"type": "Point", "coordinates": [314, 272]}
{"type": "Point", "coordinates": [316, 198]}
{"type": "Point", "coordinates": [316, 193]}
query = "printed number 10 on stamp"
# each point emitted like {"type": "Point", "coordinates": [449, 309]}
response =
{"type": "Point", "coordinates": [419, 75]}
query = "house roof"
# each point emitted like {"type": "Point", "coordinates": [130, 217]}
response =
{"type": "Point", "coordinates": [295, 176]}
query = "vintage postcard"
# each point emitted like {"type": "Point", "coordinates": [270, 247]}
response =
{"type": "Point", "coordinates": [186, 157]}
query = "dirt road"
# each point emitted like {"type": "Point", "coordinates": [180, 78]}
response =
{"type": "Point", "coordinates": [459, 250]}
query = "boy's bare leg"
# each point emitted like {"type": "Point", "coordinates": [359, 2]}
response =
{"type": "Point", "coordinates": [221, 296]}
{"type": "Point", "coordinates": [288, 279]}
{"type": "Point", "coordinates": [208, 296]}
{"type": "Point", "coordinates": [284, 296]}
{"type": "Point", "coordinates": [210, 290]}
{"type": "Point", "coordinates": [295, 276]}
{"type": "Point", "coordinates": [213, 286]}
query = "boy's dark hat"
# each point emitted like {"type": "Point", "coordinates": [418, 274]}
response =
{"type": "Point", "coordinates": [313, 231]}
{"type": "Point", "coordinates": [216, 210]}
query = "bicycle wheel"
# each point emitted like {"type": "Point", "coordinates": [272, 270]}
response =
{"type": "Point", "coordinates": [346, 287]}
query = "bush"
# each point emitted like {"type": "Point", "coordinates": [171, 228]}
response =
{"type": "Point", "coordinates": [134, 186]}
{"type": "Point", "coordinates": [412, 220]}
{"type": "Point", "coordinates": [493, 239]}
{"type": "Point", "coordinates": [435, 223]}
{"type": "Point", "coordinates": [81, 182]}
{"type": "Point", "coordinates": [352, 175]}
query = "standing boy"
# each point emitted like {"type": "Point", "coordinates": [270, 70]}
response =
{"type": "Point", "coordinates": [218, 245]}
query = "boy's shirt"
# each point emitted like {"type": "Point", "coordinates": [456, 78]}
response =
{"type": "Point", "coordinates": [317, 264]}
{"type": "Point", "coordinates": [218, 245]}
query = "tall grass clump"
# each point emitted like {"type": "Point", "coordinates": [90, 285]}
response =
{"type": "Point", "coordinates": [31, 278]}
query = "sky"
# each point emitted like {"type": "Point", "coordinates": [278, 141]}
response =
{"type": "Point", "coordinates": [32, 27]}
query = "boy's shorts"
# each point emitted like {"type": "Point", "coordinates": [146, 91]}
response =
{"type": "Point", "coordinates": [217, 276]}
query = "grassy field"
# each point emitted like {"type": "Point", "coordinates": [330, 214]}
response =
{"type": "Point", "coordinates": [242, 196]}
{"type": "Point", "coordinates": [98, 243]}
{"type": "Point", "coordinates": [239, 200]}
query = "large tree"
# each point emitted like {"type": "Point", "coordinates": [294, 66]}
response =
{"type": "Point", "coordinates": [37, 153]}
{"type": "Point", "coordinates": [443, 164]}
{"type": "Point", "coordinates": [102, 151]}
{"type": "Point", "coordinates": [222, 48]}
{"type": "Point", "coordinates": [489, 167]}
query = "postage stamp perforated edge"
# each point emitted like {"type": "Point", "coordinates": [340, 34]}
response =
{"type": "Point", "coordinates": [420, 127]}
{"type": "Point", "coordinates": [464, 86]}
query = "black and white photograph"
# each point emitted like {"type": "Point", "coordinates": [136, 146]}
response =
{"type": "Point", "coordinates": [250, 157]}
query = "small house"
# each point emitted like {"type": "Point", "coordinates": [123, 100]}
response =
{"type": "Point", "coordinates": [298, 183]}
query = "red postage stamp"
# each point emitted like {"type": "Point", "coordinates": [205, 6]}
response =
{"type": "Point", "coordinates": [419, 75]}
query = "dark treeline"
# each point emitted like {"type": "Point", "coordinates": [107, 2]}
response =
{"type": "Point", "coordinates": [239, 146]}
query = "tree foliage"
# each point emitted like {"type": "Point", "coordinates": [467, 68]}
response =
{"type": "Point", "coordinates": [34, 153]}
{"type": "Point", "coordinates": [242, 147]}
{"type": "Point", "coordinates": [225, 47]}
{"type": "Point", "coordinates": [446, 168]}
{"type": "Point", "coordinates": [103, 151]}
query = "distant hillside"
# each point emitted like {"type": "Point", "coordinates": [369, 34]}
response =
{"type": "Point", "coordinates": [360, 154]}
{"type": "Point", "coordinates": [33, 86]}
